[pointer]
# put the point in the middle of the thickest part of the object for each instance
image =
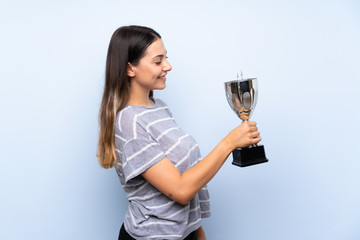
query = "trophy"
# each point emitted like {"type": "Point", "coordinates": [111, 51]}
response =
{"type": "Point", "coordinates": [242, 97]}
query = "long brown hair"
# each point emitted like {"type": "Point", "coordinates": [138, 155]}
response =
{"type": "Point", "coordinates": [127, 45]}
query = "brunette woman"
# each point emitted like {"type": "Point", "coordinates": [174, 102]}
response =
{"type": "Point", "coordinates": [158, 164]}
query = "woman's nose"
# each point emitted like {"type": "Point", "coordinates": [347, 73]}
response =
{"type": "Point", "coordinates": [167, 66]}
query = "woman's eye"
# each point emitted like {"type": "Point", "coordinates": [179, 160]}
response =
{"type": "Point", "coordinates": [157, 63]}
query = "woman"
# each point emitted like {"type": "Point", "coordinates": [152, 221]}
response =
{"type": "Point", "coordinates": [159, 165]}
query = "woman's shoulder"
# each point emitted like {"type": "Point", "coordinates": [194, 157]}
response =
{"type": "Point", "coordinates": [132, 116]}
{"type": "Point", "coordinates": [131, 111]}
{"type": "Point", "coordinates": [160, 103]}
{"type": "Point", "coordinates": [124, 119]}
{"type": "Point", "coordinates": [126, 113]}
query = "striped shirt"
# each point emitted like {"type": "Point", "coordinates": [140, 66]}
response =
{"type": "Point", "coordinates": [143, 137]}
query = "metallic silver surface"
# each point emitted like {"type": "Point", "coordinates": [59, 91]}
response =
{"type": "Point", "coordinates": [242, 96]}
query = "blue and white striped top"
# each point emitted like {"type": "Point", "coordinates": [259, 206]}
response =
{"type": "Point", "coordinates": [144, 136]}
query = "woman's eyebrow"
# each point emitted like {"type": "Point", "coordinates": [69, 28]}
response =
{"type": "Point", "coordinates": [160, 55]}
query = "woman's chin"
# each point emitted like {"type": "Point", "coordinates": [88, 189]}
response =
{"type": "Point", "coordinates": [160, 87]}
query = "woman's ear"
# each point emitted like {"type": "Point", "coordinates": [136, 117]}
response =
{"type": "Point", "coordinates": [130, 70]}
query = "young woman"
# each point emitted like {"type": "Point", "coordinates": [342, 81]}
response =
{"type": "Point", "coordinates": [159, 165]}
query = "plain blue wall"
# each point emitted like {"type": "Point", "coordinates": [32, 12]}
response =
{"type": "Point", "coordinates": [305, 55]}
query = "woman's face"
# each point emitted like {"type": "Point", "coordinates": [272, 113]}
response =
{"type": "Point", "coordinates": [150, 73]}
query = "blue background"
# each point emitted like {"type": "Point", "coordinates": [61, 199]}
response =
{"type": "Point", "coordinates": [305, 55]}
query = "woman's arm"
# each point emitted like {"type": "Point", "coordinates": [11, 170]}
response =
{"type": "Point", "coordinates": [183, 187]}
{"type": "Point", "coordinates": [200, 234]}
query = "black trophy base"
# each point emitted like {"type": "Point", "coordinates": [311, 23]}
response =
{"type": "Point", "coordinates": [244, 157]}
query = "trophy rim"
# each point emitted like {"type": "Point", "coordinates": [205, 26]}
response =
{"type": "Point", "coordinates": [241, 80]}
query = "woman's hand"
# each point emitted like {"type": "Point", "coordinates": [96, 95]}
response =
{"type": "Point", "coordinates": [243, 136]}
{"type": "Point", "coordinates": [200, 233]}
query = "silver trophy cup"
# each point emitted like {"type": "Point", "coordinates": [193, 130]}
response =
{"type": "Point", "coordinates": [242, 97]}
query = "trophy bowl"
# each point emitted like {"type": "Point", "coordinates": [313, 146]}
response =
{"type": "Point", "coordinates": [242, 98]}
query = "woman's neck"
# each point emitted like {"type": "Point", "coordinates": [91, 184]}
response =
{"type": "Point", "coordinates": [140, 98]}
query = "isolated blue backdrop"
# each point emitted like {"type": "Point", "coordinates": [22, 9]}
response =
{"type": "Point", "coordinates": [305, 55]}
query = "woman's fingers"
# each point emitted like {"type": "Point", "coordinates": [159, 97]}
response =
{"type": "Point", "coordinates": [256, 140]}
{"type": "Point", "coordinates": [251, 124]}
{"type": "Point", "coordinates": [255, 134]}
{"type": "Point", "coordinates": [244, 135]}
{"type": "Point", "coordinates": [253, 129]}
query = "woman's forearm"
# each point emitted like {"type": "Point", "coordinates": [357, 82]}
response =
{"type": "Point", "coordinates": [196, 177]}
{"type": "Point", "coordinates": [199, 175]}
{"type": "Point", "coordinates": [183, 187]}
